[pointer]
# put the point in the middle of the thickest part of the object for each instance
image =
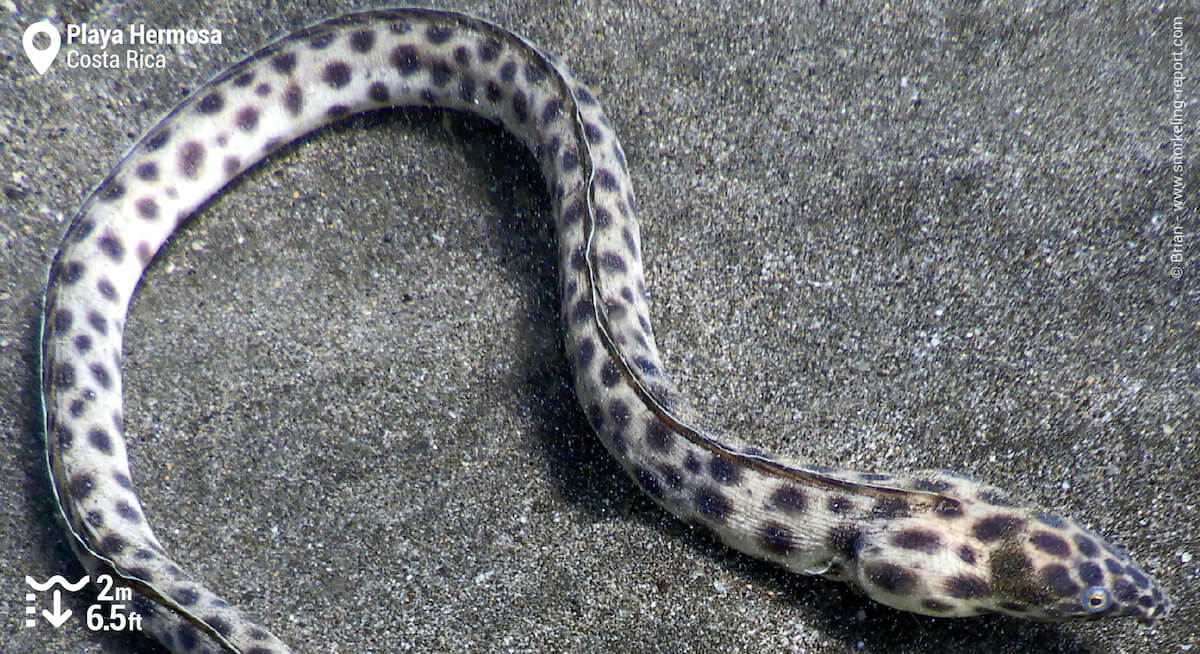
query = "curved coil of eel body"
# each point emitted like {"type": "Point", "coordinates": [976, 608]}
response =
{"type": "Point", "coordinates": [929, 542]}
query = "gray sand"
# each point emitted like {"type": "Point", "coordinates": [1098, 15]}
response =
{"type": "Point", "coordinates": [882, 238]}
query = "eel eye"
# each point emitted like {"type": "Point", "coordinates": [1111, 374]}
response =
{"type": "Point", "coordinates": [1095, 599]}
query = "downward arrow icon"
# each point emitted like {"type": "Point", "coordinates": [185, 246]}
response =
{"type": "Point", "coordinates": [60, 615]}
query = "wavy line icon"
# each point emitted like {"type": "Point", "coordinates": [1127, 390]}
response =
{"type": "Point", "coordinates": [56, 579]}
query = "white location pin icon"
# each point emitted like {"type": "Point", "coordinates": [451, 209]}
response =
{"type": "Point", "coordinates": [41, 58]}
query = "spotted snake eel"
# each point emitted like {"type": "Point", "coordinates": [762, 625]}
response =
{"type": "Point", "coordinates": [930, 542]}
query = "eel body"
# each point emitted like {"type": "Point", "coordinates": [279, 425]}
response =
{"type": "Point", "coordinates": [930, 542]}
